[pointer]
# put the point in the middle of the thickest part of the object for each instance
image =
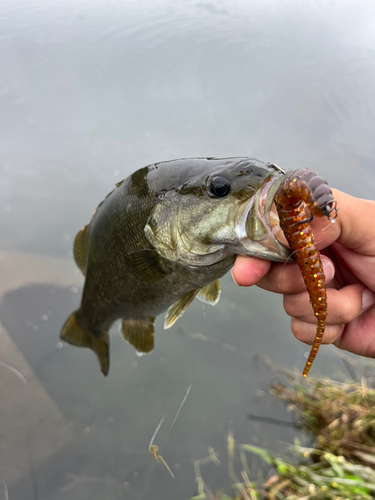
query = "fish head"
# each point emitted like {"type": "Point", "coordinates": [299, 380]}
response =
{"type": "Point", "coordinates": [225, 208]}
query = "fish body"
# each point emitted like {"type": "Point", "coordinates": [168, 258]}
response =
{"type": "Point", "coordinates": [167, 234]}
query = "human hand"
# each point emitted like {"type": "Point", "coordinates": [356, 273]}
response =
{"type": "Point", "coordinates": [348, 256]}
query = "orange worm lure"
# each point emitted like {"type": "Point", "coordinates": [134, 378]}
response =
{"type": "Point", "coordinates": [300, 189]}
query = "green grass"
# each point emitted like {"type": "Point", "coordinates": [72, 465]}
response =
{"type": "Point", "coordinates": [340, 466]}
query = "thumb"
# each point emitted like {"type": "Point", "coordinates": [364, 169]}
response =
{"type": "Point", "coordinates": [356, 223]}
{"type": "Point", "coordinates": [354, 226]}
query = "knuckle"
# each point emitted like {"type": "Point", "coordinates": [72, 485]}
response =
{"type": "Point", "coordinates": [284, 279]}
{"type": "Point", "coordinates": [295, 304]}
{"type": "Point", "coordinates": [289, 305]}
{"type": "Point", "coordinates": [280, 282]}
{"type": "Point", "coordinates": [302, 331]}
{"type": "Point", "coordinates": [289, 279]}
{"type": "Point", "coordinates": [345, 304]}
{"type": "Point", "coordinates": [347, 311]}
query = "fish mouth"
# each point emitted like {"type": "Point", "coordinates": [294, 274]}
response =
{"type": "Point", "coordinates": [262, 222]}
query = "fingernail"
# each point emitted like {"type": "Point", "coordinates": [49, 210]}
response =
{"type": "Point", "coordinates": [329, 269]}
{"type": "Point", "coordinates": [368, 299]}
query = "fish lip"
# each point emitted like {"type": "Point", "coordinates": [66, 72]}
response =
{"type": "Point", "coordinates": [260, 213]}
{"type": "Point", "coordinates": [268, 193]}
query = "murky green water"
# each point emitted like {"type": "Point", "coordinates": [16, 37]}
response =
{"type": "Point", "coordinates": [90, 92]}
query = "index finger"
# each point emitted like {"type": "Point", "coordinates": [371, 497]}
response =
{"type": "Point", "coordinates": [249, 270]}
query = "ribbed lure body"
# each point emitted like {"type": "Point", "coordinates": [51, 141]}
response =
{"type": "Point", "coordinates": [300, 189]}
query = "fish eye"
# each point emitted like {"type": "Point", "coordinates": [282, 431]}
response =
{"type": "Point", "coordinates": [219, 187]}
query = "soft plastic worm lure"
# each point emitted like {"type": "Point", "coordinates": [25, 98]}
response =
{"type": "Point", "coordinates": [300, 189]}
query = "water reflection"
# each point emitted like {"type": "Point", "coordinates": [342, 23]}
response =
{"type": "Point", "coordinates": [90, 92]}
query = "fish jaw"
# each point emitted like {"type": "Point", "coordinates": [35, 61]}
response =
{"type": "Point", "coordinates": [259, 224]}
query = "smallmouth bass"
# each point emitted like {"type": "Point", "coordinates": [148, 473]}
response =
{"type": "Point", "coordinates": [164, 236]}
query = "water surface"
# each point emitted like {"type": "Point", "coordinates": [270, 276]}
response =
{"type": "Point", "coordinates": [90, 92]}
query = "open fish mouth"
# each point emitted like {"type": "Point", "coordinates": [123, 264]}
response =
{"type": "Point", "coordinates": [262, 222]}
{"type": "Point", "coordinates": [275, 225]}
{"type": "Point", "coordinates": [268, 209]}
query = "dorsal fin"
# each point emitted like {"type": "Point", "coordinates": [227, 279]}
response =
{"type": "Point", "coordinates": [178, 308]}
{"type": "Point", "coordinates": [80, 242]}
{"type": "Point", "coordinates": [210, 293]}
{"type": "Point", "coordinates": [79, 249]}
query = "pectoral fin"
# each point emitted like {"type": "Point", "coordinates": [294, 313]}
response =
{"type": "Point", "coordinates": [79, 249]}
{"type": "Point", "coordinates": [73, 333]}
{"type": "Point", "coordinates": [210, 293]}
{"type": "Point", "coordinates": [178, 308]}
{"type": "Point", "coordinates": [139, 333]}
{"type": "Point", "coordinates": [149, 263]}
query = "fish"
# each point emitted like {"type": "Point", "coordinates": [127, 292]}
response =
{"type": "Point", "coordinates": [166, 235]}
{"type": "Point", "coordinates": [306, 188]}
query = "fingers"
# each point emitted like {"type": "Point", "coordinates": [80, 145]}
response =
{"type": "Point", "coordinates": [345, 308]}
{"type": "Point", "coordinates": [343, 305]}
{"type": "Point", "coordinates": [353, 228]}
{"type": "Point", "coordinates": [358, 265]}
{"type": "Point", "coordinates": [358, 336]}
{"type": "Point", "coordinates": [248, 270]}
{"type": "Point", "coordinates": [286, 278]}
{"type": "Point", "coordinates": [305, 332]}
